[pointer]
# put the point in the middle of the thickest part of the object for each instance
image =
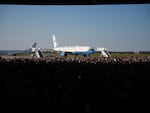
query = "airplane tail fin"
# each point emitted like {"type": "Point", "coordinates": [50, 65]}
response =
{"type": "Point", "coordinates": [55, 43]}
{"type": "Point", "coordinates": [34, 45]}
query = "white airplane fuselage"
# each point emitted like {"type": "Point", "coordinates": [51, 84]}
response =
{"type": "Point", "coordinates": [73, 48]}
{"type": "Point", "coordinates": [76, 50]}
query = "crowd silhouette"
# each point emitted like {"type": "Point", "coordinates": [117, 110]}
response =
{"type": "Point", "coordinates": [64, 85]}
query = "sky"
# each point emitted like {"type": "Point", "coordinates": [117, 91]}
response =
{"type": "Point", "coordinates": [123, 27]}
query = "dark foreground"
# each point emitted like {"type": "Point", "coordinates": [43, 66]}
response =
{"type": "Point", "coordinates": [66, 85]}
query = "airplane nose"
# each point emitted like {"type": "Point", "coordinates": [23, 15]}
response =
{"type": "Point", "coordinates": [92, 50]}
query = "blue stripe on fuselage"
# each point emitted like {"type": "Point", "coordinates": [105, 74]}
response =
{"type": "Point", "coordinates": [83, 53]}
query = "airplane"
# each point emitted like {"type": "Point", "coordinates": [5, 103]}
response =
{"type": "Point", "coordinates": [15, 52]}
{"type": "Point", "coordinates": [76, 50]}
{"type": "Point", "coordinates": [33, 50]}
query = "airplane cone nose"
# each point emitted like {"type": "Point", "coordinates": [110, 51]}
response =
{"type": "Point", "coordinates": [91, 51]}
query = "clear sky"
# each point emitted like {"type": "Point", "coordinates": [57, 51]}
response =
{"type": "Point", "coordinates": [116, 27]}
